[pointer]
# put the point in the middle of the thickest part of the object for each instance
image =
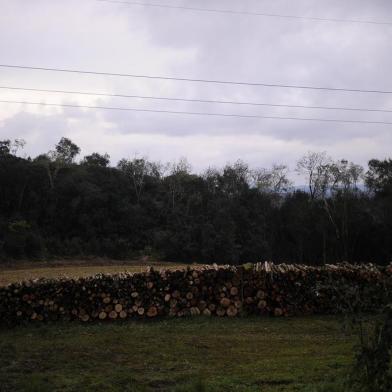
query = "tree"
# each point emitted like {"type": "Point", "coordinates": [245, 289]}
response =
{"type": "Point", "coordinates": [314, 166]}
{"type": "Point", "coordinates": [65, 151]}
{"type": "Point", "coordinates": [18, 144]}
{"type": "Point", "coordinates": [137, 171]}
{"type": "Point", "coordinates": [96, 159]}
{"type": "Point", "coordinates": [379, 176]}
{"type": "Point", "coordinates": [211, 178]}
{"type": "Point", "coordinates": [235, 178]}
{"type": "Point", "coordinates": [8, 147]}
{"type": "Point", "coordinates": [344, 176]}
{"type": "Point", "coordinates": [5, 147]}
{"type": "Point", "coordinates": [333, 185]}
{"type": "Point", "coordinates": [228, 215]}
{"type": "Point", "coordinates": [272, 180]}
{"type": "Point", "coordinates": [341, 182]}
{"type": "Point", "coordinates": [179, 172]}
{"type": "Point", "coordinates": [63, 155]}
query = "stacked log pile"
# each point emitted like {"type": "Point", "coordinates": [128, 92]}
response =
{"type": "Point", "coordinates": [257, 289]}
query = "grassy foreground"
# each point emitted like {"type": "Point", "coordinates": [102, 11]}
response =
{"type": "Point", "coordinates": [198, 354]}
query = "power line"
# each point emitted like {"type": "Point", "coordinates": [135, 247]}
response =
{"type": "Point", "coordinates": [236, 12]}
{"type": "Point", "coordinates": [195, 100]}
{"type": "Point", "coordinates": [196, 113]}
{"type": "Point", "coordinates": [194, 80]}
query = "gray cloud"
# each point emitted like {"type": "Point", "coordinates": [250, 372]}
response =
{"type": "Point", "coordinates": [108, 37]}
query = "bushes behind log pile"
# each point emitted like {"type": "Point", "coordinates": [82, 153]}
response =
{"type": "Point", "coordinates": [260, 289]}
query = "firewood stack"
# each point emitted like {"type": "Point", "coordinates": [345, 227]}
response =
{"type": "Point", "coordinates": [252, 289]}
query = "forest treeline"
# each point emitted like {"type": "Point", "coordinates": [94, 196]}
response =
{"type": "Point", "coordinates": [53, 206]}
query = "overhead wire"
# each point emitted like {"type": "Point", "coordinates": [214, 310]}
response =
{"type": "Point", "coordinates": [195, 113]}
{"type": "Point", "coordinates": [249, 13]}
{"type": "Point", "coordinates": [182, 79]}
{"type": "Point", "coordinates": [191, 100]}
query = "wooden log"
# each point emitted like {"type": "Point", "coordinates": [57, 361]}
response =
{"type": "Point", "coordinates": [231, 311]}
{"type": "Point", "coordinates": [262, 304]}
{"type": "Point", "coordinates": [189, 296]}
{"type": "Point", "coordinates": [152, 311]}
{"type": "Point", "coordinates": [85, 317]}
{"type": "Point", "coordinates": [225, 302]}
{"type": "Point", "coordinates": [102, 315]}
{"type": "Point", "coordinates": [284, 290]}
{"type": "Point", "coordinates": [195, 311]}
{"type": "Point", "coordinates": [234, 291]}
{"type": "Point", "coordinates": [113, 315]}
{"type": "Point", "coordinates": [123, 314]}
{"type": "Point", "coordinates": [278, 312]}
{"type": "Point", "coordinates": [238, 304]}
{"type": "Point", "coordinates": [150, 285]}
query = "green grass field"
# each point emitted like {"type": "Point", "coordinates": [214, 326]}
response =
{"type": "Point", "coordinates": [253, 354]}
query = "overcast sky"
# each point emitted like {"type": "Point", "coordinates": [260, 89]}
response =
{"type": "Point", "coordinates": [117, 38]}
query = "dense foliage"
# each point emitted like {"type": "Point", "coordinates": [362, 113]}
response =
{"type": "Point", "coordinates": [52, 206]}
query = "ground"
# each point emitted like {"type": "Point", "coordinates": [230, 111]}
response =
{"type": "Point", "coordinates": [199, 354]}
{"type": "Point", "coordinates": [16, 271]}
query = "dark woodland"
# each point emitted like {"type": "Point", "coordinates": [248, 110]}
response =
{"type": "Point", "coordinates": [55, 206]}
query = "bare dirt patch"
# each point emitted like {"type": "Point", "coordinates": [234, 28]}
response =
{"type": "Point", "coordinates": [15, 272]}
